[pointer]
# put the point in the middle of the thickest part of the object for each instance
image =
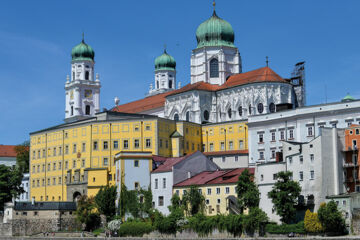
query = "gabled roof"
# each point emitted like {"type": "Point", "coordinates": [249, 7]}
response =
{"type": "Point", "coordinates": [145, 104]}
{"type": "Point", "coordinates": [7, 151]}
{"type": "Point", "coordinates": [264, 74]}
{"type": "Point", "coordinates": [214, 177]}
{"type": "Point", "coordinates": [168, 163]}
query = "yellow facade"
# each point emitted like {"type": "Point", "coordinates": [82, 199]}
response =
{"type": "Point", "coordinates": [82, 153]}
{"type": "Point", "coordinates": [226, 136]}
{"type": "Point", "coordinates": [215, 196]}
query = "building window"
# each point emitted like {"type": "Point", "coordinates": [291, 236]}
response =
{"type": "Point", "coordinates": [74, 148]}
{"type": "Point", "coordinates": [87, 110]}
{"type": "Point", "coordinates": [217, 190]}
{"type": "Point", "coordinates": [156, 183]}
{"type": "Point", "coordinates": [83, 149]}
{"type": "Point", "coordinates": [227, 190]}
{"type": "Point", "coordinates": [301, 176]}
{"type": "Point", "coordinates": [223, 159]}
{"type": "Point", "coordinates": [273, 154]}
{"type": "Point", "coordinates": [214, 68]}
{"type": "Point", "coordinates": [236, 158]}
{"type": "Point", "coordinates": [206, 115]}
{"type": "Point", "coordinates": [116, 144]}
{"type": "Point", "coordinates": [333, 125]}
{"type": "Point", "coordinates": [291, 134]}
{"type": "Point", "coordinates": [136, 143]}
{"type": "Point", "coordinates": [167, 145]}
{"type": "Point", "coordinates": [312, 157]}
{"type": "Point", "coordinates": [260, 108]}
{"type": "Point", "coordinates": [273, 138]}
{"type": "Point", "coordinates": [301, 158]}
{"type": "Point", "coordinates": [211, 147]}
{"type": "Point", "coordinates": [105, 145]}
{"type": "Point", "coordinates": [54, 166]}
{"type": "Point", "coordinates": [354, 143]}
{"type": "Point", "coordinates": [222, 146]}
{"type": "Point", "coordinates": [164, 182]}
{"type": "Point", "coordinates": [272, 107]}
{"type": "Point", "coordinates": [176, 117]}
{"type": "Point", "coordinates": [229, 113]}
{"type": "Point", "coordinates": [161, 201]}
{"type": "Point", "coordinates": [72, 110]}
{"type": "Point", "coordinates": [49, 167]}
{"type": "Point", "coordinates": [261, 138]}
{"type": "Point", "coordinates": [249, 109]}
{"type": "Point", "coordinates": [187, 117]}
{"type": "Point", "coordinates": [148, 143]}
{"type": "Point", "coordinates": [66, 165]}
{"type": "Point", "coordinates": [83, 163]}
{"type": "Point", "coordinates": [261, 155]}
{"type": "Point", "coordinates": [282, 135]}
{"type": "Point", "coordinates": [310, 131]}
{"type": "Point", "coordinates": [209, 191]}
{"type": "Point", "coordinates": [136, 163]}
{"type": "Point", "coordinates": [136, 185]}
{"type": "Point", "coordinates": [231, 145]}
{"type": "Point", "coordinates": [66, 149]}
{"type": "Point", "coordinates": [86, 75]}
{"type": "Point", "coordinates": [290, 160]}
{"type": "Point", "coordinates": [240, 111]}
{"type": "Point", "coordinates": [105, 161]}
{"type": "Point", "coordinates": [126, 144]}
{"type": "Point", "coordinates": [74, 164]}
{"type": "Point", "coordinates": [261, 177]}
{"type": "Point", "coordinates": [95, 145]}
{"type": "Point", "coordinates": [60, 150]}
{"type": "Point", "coordinates": [312, 174]}
{"type": "Point", "coordinates": [241, 144]}
{"type": "Point", "coordinates": [54, 152]}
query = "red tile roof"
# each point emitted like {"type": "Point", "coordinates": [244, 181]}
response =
{"type": "Point", "coordinates": [168, 164]}
{"type": "Point", "coordinates": [7, 151]}
{"type": "Point", "coordinates": [214, 177]}
{"type": "Point", "coordinates": [264, 74]}
{"type": "Point", "coordinates": [231, 152]}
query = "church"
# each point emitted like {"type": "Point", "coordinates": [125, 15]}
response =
{"type": "Point", "coordinates": [218, 91]}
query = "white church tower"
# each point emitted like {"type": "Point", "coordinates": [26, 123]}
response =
{"type": "Point", "coordinates": [165, 74]}
{"type": "Point", "coordinates": [82, 91]}
{"type": "Point", "coordinates": [216, 57]}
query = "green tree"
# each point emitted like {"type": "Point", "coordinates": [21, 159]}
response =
{"type": "Point", "coordinates": [87, 214]}
{"type": "Point", "coordinates": [284, 196]}
{"type": "Point", "coordinates": [193, 201]}
{"type": "Point", "coordinates": [136, 202]}
{"type": "Point", "coordinates": [247, 191]}
{"type": "Point", "coordinates": [10, 181]}
{"type": "Point", "coordinates": [254, 220]}
{"type": "Point", "coordinates": [105, 201]}
{"type": "Point", "coordinates": [331, 218]}
{"type": "Point", "coordinates": [22, 156]}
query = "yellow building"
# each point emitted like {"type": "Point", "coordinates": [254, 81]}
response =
{"type": "Point", "coordinates": [218, 189]}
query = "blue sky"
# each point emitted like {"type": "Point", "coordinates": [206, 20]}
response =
{"type": "Point", "coordinates": [36, 38]}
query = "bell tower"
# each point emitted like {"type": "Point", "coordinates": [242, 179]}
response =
{"type": "Point", "coordinates": [82, 90]}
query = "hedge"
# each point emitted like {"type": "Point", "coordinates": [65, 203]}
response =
{"type": "Point", "coordinates": [135, 229]}
{"type": "Point", "coordinates": [285, 228]}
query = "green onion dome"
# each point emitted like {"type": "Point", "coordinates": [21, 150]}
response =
{"type": "Point", "coordinates": [165, 62]}
{"type": "Point", "coordinates": [215, 32]}
{"type": "Point", "coordinates": [348, 98]}
{"type": "Point", "coordinates": [82, 52]}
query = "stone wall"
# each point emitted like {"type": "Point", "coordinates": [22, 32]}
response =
{"type": "Point", "coordinates": [5, 229]}
{"type": "Point", "coordinates": [356, 221]}
{"type": "Point", "coordinates": [28, 227]}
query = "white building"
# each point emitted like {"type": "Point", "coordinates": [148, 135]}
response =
{"type": "Point", "coordinates": [317, 165]}
{"type": "Point", "coordinates": [267, 132]}
{"type": "Point", "coordinates": [82, 90]}
{"type": "Point", "coordinates": [24, 197]}
{"type": "Point", "coordinates": [173, 171]}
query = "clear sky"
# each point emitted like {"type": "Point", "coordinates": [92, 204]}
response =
{"type": "Point", "coordinates": [36, 38]}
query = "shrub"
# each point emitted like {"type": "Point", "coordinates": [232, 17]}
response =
{"type": "Point", "coordinates": [312, 223]}
{"type": "Point", "coordinates": [234, 224]}
{"type": "Point", "coordinates": [331, 218]}
{"type": "Point", "coordinates": [135, 229]}
{"type": "Point", "coordinates": [254, 219]}
{"type": "Point", "coordinates": [285, 228]}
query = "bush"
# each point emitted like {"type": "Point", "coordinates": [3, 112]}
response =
{"type": "Point", "coordinates": [312, 223]}
{"type": "Point", "coordinates": [234, 224]}
{"type": "Point", "coordinates": [331, 219]}
{"type": "Point", "coordinates": [135, 229]}
{"type": "Point", "coordinates": [285, 228]}
{"type": "Point", "coordinates": [254, 220]}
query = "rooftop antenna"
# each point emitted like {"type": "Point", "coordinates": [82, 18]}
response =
{"type": "Point", "coordinates": [267, 61]}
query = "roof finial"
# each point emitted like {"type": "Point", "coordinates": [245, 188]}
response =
{"type": "Point", "coordinates": [83, 37]}
{"type": "Point", "coordinates": [267, 61]}
{"type": "Point", "coordinates": [214, 4]}
{"type": "Point", "coordinates": [165, 48]}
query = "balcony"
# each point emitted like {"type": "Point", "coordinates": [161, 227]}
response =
{"type": "Point", "coordinates": [354, 148]}
{"type": "Point", "coordinates": [351, 180]}
{"type": "Point", "coordinates": [350, 165]}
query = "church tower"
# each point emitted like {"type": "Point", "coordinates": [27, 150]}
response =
{"type": "Point", "coordinates": [82, 91]}
{"type": "Point", "coordinates": [165, 74]}
{"type": "Point", "coordinates": [216, 57]}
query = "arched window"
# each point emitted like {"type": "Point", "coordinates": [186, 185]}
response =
{"type": "Point", "coordinates": [87, 109]}
{"type": "Point", "coordinates": [170, 84]}
{"type": "Point", "coordinates": [72, 110]}
{"type": "Point", "coordinates": [229, 113]}
{"type": "Point", "coordinates": [73, 76]}
{"type": "Point", "coordinates": [176, 117]}
{"type": "Point", "coordinates": [260, 108]}
{"type": "Point", "coordinates": [214, 68]}
{"type": "Point", "coordinates": [272, 107]}
{"type": "Point", "coordinates": [187, 116]}
{"type": "Point", "coordinates": [206, 115]}
{"type": "Point", "coordinates": [249, 109]}
{"type": "Point", "coordinates": [157, 84]}
{"type": "Point", "coordinates": [87, 75]}
{"type": "Point", "coordinates": [240, 111]}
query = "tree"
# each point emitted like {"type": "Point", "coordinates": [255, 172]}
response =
{"type": "Point", "coordinates": [22, 156]}
{"type": "Point", "coordinates": [87, 214]}
{"type": "Point", "coordinates": [254, 220]}
{"type": "Point", "coordinates": [247, 191]}
{"type": "Point", "coordinates": [284, 196]}
{"type": "Point", "coordinates": [312, 223]}
{"type": "Point", "coordinates": [105, 201]}
{"type": "Point", "coordinates": [193, 200]}
{"type": "Point", "coordinates": [331, 218]}
{"type": "Point", "coordinates": [136, 202]}
{"type": "Point", "coordinates": [10, 181]}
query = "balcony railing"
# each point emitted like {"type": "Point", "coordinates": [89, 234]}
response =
{"type": "Point", "coordinates": [351, 180]}
{"type": "Point", "coordinates": [350, 164]}
{"type": "Point", "coordinates": [351, 149]}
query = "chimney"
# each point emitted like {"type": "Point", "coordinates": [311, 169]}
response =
{"type": "Point", "coordinates": [189, 174]}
